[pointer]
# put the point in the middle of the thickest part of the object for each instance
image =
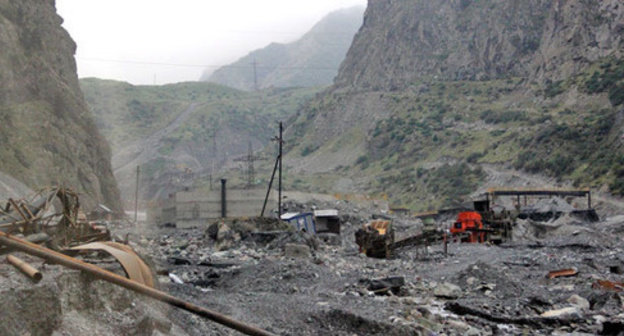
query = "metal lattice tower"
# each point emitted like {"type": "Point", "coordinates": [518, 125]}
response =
{"type": "Point", "coordinates": [251, 172]}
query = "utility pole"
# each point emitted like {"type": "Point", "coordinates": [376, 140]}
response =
{"type": "Point", "coordinates": [279, 194]}
{"type": "Point", "coordinates": [278, 162]}
{"type": "Point", "coordinates": [255, 73]}
{"type": "Point", "coordinates": [136, 196]}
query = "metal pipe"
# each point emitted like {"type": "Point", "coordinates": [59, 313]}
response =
{"type": "Point", "coordinates": [562, 273]}
{"type": "Point", "coordinates": [73, 263]}
{"type": "Point", "coordinates": [279, 192]}
{"type": "Point", "coordinates": [25, 267]}
{"type": "Point", "coordinates": [37, 238]}
{"type": "Point", "coordinates": [223, 198]}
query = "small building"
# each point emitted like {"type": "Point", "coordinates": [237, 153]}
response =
{"type": "Point", "coordinates": [327, 221]}
{"type": "Point", "coordinates": [301, 221]}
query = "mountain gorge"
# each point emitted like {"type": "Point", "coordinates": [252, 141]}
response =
{"type": "Point", "coordinates": [312, 60]}
{"type": "Point", "coordinates": [432, 95]}
{"type": "Point", "coordinates": [47, 134]}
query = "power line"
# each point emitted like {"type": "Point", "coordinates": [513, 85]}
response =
{"type": "Point", "coordinates": [104, 60]}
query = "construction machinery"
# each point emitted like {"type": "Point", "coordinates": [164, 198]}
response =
{"type": "Point", "coordinates": [485, 222]}
{"type": "Point", "coordinates": [483, 226]}
{"type": "Point", "coordinates": [469, 227]}
{"type": "Point", "coordinates": [376, 238]}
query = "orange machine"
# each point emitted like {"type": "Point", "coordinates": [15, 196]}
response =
{"type": "Point", "coordinates": [469, 227]}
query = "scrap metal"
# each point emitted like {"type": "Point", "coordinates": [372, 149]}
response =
{"type": "Point", "coordinates": [64, 226]}
{"type": "Point", "coordinates": [135, 267]}
{"type": "Point", "coordinates": [24, 267]}
{"type": "Point", "coordinates": [566, 272]}
{"type": "Point", "coordinates": [73, 263]}
{"type": "Point", "coordinates": [608, 285]}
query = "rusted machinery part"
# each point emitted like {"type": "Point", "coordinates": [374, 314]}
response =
{"type": "Point", "coordinates": [73, 263]}
{"type": "Point", "coordinates": [608, 285]}
{"type": "Point", "coordinates": [135, 267]}
{"type": "Point", "coordinates": [24, 267]}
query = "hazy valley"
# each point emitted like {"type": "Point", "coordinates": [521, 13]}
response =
{"type": "Point", "coordinates": [400, 123]}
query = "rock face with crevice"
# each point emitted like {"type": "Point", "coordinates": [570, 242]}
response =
{"type": "Point", "coordinates": [402, 41]}
{"type": "Point", "coordinates": [47, 134]}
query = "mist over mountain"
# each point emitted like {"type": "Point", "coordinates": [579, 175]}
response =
{"type": "Point", "coordinates": [313, 60]}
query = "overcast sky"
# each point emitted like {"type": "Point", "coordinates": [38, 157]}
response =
{"type": "Point", "coordinates": [165, 41]}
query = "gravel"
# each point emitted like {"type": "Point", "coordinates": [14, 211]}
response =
{"type": "Point", "coordinates": [476, 289]}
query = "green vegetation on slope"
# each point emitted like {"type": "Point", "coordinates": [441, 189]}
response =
{"type": "Point", "coordinates": [179, 125]}
{"type": "Point", "coordinates": [427, 149]}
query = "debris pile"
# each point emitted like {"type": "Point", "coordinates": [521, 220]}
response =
{"type": "Point", "coordinates": [267, 273]}
{"type": "Point", "coordinates": [66, 231]}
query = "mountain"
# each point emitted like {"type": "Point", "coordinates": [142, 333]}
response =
{"type": "Point", "coordinates": [312, 60]}
{"type": "Point", "coordinates": [48, 135]}
{"type": "Point", "coordinates": [438, 99]}
{"type": "Point", "coordinates": [182, 134]}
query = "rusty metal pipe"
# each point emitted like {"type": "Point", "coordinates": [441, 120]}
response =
{"type": "Point", "coordinates": [562, 273]}
{"type": "Point", "coordinates": [73, 263]}
{"type": "Point", "coordinates": [37, 238]}
{"type": "Point", "coordinates": [25, 267]}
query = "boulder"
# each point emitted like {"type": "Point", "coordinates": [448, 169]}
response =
{"type": "Point", "coordinates": [578, 301]}
{"type": "Point", "coordinates": [447, 290]}
{"type": "Point", "coordinates": [296, 250]}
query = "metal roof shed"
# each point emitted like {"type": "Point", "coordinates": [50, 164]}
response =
{"type": "Point", "coordinates": [327, 221]}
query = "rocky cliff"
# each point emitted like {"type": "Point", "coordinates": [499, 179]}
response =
{"type": "Point", "coordinates": [312, 60]}
{"type": "Point", "coordinates": [402, 41]}
{"type": "Point", "coordinates": [436, 98]}
{"type": "Point", "coordinates": [47, 134]}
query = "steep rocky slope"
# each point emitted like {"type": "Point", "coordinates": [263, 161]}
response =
{"type": "Point", "coordinates": [432, 91]}
{"type": "Point", "coordinates": [47, 134]}
{"type": "Point", "coordinates": [402, 41]}
{"type": "Point", "coordinates": [312, 60]}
